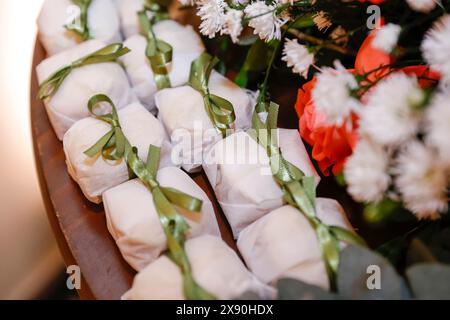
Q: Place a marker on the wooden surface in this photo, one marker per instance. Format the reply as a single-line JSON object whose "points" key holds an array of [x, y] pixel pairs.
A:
{"points": [[79, 225]]}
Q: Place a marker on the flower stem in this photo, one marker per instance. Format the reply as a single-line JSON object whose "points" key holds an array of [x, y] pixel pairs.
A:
{"points": [[319, 42]]}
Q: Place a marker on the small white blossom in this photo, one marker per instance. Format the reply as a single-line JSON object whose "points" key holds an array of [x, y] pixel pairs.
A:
{"points": [[386, 37], [322, 21], [436, 47], [422, 181], [212, 14], [437, 125], [233, 24], [332, 94], [422, 5], [297, 57], [391, 116], [366, 172], [264, 21]]}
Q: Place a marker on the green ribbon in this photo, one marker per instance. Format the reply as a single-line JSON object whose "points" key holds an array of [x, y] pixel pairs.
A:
{"points": [[299, 190], [110, 53], [219, 110], [80, 24], [166, 201], [114, 146], [158, 52]]}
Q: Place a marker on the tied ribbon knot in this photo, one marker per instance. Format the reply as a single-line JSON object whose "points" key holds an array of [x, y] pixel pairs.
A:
{"points": [[158, 52], [110, 53], [220, 111], [299, 190], [80, 24], [113, 145], [168, 201]]}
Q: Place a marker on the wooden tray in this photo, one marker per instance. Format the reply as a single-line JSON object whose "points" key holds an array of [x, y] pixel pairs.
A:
{"points": [[80, 226]]}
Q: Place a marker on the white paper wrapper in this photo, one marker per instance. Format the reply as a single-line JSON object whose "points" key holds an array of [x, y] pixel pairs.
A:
{"points": [[69, 104], [215, 267], [238, 170], [128, 10], [182, 111], [103, 22], [187, 46], [134, 223], [283, 244], [95, 175]]}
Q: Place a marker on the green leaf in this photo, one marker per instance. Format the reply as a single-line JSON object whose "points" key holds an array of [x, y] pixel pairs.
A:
{"points": [[418, 252], [256, 61], [429, 281], [359, 268], [290, 289]]}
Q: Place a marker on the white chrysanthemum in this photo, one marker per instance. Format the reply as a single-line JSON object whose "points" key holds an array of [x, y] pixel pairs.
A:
{"points": [[391, 115], [212, 14], [322, 21], [332, 94], [437, 117], [297, 57], [386, 37], [366, 172], [233, 24], [436, 47], [422, 181], [422, 5], [263, 19]]}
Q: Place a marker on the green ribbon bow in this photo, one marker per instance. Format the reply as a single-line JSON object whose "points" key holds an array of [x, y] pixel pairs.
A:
{"points": [[166, 201], [110, 53], [299, 190], [158, 52], [80, 24], [219, 110], [113, 145]]}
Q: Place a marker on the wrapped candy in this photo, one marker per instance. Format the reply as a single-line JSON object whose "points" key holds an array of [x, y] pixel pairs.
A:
{"points": [[102, 23], [128, 10], [68, 104], [239, 172], [182, 111], [215, 267], [283, 244], [96, 175], [186, 47], [134, 223]]}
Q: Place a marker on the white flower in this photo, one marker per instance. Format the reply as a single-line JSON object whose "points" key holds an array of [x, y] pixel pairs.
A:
{"points": [[366, 172], [298, 57], [422, 5], [422, 181], [332, 94], [212, 14], [322, 21], [264, 21], [437, 125], [386, 38], [436, 47], [391, 116], [233, 24]]}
